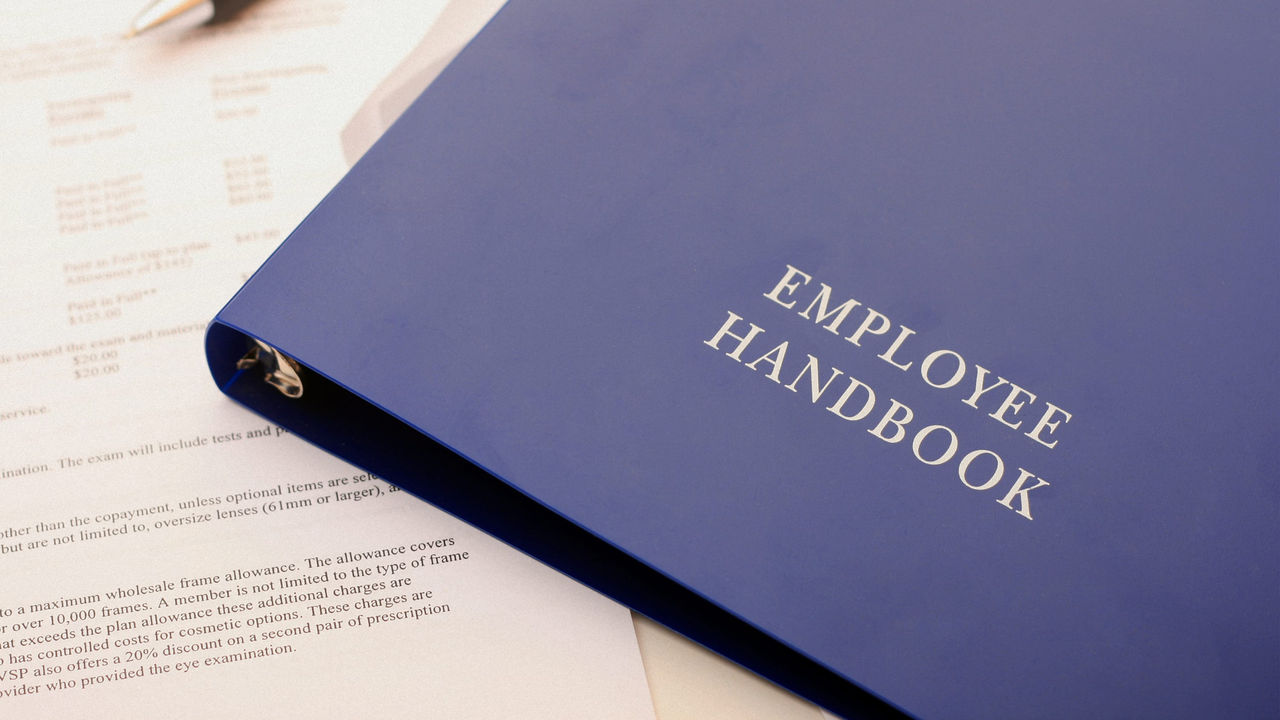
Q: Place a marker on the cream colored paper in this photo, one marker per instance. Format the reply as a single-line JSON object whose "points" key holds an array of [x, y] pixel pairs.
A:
{"points": [[166, 553]]}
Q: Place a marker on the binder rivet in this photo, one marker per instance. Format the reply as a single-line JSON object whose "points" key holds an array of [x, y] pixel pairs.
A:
{"points": [[279, 370]]}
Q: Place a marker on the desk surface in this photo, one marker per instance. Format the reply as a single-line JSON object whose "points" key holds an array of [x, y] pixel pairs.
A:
{"points": [[689, 682]]}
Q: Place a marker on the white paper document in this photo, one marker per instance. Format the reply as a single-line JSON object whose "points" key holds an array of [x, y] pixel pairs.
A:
{"points": [[163, 552]]}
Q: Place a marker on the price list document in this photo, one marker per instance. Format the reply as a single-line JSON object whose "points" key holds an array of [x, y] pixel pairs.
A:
{"points": [[162, 551]]}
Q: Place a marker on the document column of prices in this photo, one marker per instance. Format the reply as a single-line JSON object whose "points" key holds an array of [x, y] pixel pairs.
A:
{"points": [[162, 549]]}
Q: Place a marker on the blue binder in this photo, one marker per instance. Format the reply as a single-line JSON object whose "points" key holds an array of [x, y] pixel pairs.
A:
{"points": [[918, 357]]}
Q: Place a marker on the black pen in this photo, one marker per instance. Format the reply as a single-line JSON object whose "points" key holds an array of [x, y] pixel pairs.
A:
{"points": [[193, 11]]}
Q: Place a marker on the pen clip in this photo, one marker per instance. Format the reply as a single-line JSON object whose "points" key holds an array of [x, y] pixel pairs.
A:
{"points": [[279, 370]]}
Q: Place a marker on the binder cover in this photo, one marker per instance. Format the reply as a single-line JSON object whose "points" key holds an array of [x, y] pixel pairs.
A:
{"points": [[916, 356]]}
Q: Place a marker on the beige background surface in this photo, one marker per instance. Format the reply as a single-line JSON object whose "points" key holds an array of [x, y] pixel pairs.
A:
{"points": [[689, 682]]}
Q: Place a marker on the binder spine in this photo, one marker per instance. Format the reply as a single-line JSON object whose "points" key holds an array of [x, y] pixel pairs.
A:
{"points": [[349, 426]]}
